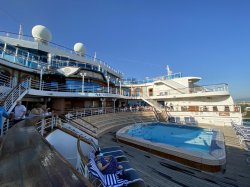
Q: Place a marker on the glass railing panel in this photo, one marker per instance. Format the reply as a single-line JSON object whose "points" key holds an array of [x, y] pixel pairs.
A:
{"points": [[20, 60], [9, 57]]}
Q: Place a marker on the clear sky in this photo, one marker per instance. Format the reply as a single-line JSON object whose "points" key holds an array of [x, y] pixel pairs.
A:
{"points": [[205, 38]]}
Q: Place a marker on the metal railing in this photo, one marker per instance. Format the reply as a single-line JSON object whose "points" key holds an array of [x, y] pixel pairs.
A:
{"points": [[9, 101], [84, 112], [130, 81], [6, 85], [152, 102], [16, 93], [198, 89], [75, 88], [204, 108], [27, 59]]}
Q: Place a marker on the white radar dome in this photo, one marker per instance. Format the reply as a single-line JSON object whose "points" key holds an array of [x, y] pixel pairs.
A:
{"points": [[79, 48], [41, 33]]}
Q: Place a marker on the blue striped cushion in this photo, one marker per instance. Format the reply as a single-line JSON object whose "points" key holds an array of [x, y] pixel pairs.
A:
{"points": [[106, 180]]}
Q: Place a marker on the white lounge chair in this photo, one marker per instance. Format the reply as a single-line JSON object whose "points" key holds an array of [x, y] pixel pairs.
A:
{"points": [[178, 120], [109, 180], [190, 121]]}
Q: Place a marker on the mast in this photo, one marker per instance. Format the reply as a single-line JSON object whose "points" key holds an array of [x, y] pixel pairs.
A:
{"points": [[20, 33]]}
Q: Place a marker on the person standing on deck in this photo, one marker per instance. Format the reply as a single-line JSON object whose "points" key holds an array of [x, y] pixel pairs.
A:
{"points": [[19, 112], [3, 113]]}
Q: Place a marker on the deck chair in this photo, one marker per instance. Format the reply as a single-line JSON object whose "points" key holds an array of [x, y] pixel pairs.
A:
{"points": [[110, 149], [109, 180], [187, 120], [171, 119], [178, 120], [192, 121], [244, 137]]}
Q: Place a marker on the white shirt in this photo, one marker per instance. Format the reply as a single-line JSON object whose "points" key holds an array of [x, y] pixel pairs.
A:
{"points": [[19, 110]]}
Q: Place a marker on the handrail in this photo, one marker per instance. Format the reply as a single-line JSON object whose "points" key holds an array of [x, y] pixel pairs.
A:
{"points": [[16, 94], [79, 127], [196, 89], [152, 102], [9, 101], [149, 80], [70, 51], [204, 108]]}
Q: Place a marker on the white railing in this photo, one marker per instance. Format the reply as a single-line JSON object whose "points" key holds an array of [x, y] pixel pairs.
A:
{"points": [[84, 112], [81, 163], [204, 108], [197, 89], [47, 123], [152, 102], [27, 59], [17, 93], [6, 85], [50, 122], [149, 80]]}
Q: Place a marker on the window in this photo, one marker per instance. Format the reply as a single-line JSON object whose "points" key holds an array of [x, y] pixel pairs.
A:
{"points": [[215, 109], [227, 109]]}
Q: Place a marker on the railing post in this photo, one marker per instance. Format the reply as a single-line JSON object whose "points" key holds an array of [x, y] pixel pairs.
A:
{"points": [[29, 81], [86, 173], [7, 125], [2, 128], [52, 122], [19, 90], [43, 126], [12, 98], [78, 162]]}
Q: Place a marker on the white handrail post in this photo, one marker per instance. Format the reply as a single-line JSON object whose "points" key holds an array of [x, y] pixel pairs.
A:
{"points": [[43, 126], [52, 122], [83, 76], [19, 90], [108, 78], [78, 162], [86, 173], [41, 78]]}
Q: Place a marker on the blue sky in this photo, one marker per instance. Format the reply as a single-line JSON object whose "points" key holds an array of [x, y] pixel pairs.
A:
{"points": [[206, 38]]}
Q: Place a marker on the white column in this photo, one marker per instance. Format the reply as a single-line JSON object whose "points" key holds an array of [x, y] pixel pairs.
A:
{"points": [[120, 87], [108, 77], [114, 99], [83, 76], [41, 78]]}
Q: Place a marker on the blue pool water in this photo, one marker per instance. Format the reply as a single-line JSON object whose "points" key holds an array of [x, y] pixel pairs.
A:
{"points": [[190, 138], [246, 122]]}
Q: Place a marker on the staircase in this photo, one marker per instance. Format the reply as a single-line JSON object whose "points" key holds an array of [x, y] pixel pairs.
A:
{"points": [[175, 85], [152, 103], [16, 93], [6, 85]]}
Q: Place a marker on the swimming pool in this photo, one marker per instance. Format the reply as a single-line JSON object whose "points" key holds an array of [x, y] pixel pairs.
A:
{"points": [[182, 137], [246, 122], [193, 146]]}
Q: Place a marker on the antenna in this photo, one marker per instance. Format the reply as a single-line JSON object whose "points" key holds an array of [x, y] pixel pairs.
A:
{"points": [[20, 33], [169, 72], [95, 56]]}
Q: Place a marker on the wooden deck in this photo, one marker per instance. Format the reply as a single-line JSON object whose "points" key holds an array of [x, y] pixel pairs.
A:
{"points": [[26, 159], [159, 172]]}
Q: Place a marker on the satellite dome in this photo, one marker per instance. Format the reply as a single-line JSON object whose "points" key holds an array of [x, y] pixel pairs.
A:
{"points": [[41, 33], [79, 48]]}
